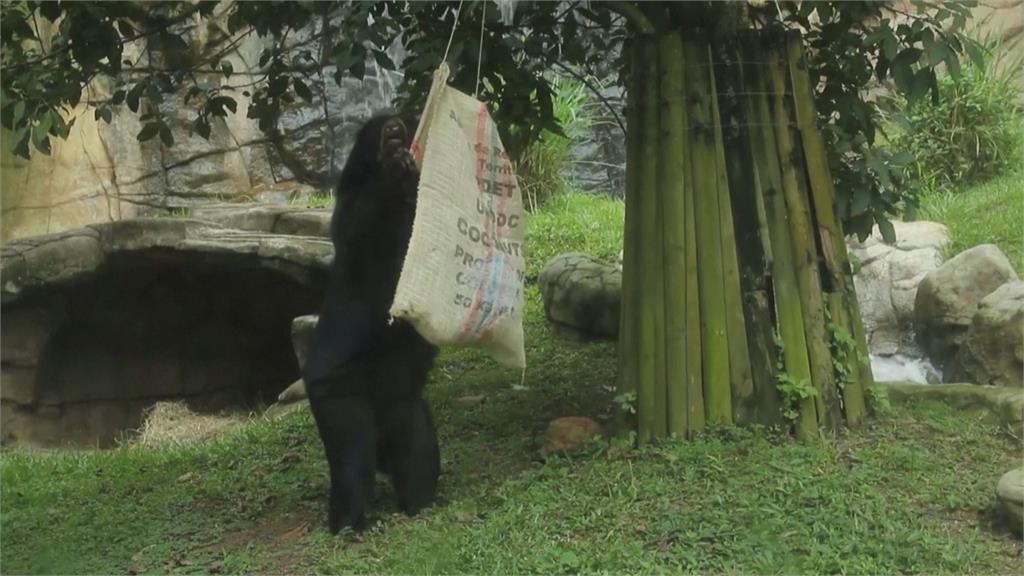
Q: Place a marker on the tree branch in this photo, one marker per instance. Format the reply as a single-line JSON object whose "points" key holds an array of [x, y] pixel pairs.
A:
{"points": [[633, 15], [67, 48]]}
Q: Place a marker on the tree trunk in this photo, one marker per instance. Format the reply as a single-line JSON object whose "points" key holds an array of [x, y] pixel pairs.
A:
{"points": [[738, 303]]}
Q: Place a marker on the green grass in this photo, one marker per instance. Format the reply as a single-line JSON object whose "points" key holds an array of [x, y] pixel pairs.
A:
{"points": [[991, 212], [574, 222], [909, 492]]}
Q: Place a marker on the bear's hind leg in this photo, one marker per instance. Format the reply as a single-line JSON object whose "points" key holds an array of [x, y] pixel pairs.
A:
{"points": [[412, 454], [348, 432]]}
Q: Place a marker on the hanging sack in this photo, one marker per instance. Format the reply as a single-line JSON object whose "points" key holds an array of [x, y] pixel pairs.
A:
{"points": [[462, 280]]}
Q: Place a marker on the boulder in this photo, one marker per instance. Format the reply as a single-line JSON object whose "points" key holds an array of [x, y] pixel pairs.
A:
{"points": [[302, 331], [1010, 499], [948, 298], [887, 282], [581, 295], [993, 348], [101, 322]]}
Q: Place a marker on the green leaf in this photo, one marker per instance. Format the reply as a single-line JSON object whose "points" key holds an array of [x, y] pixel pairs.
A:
{"points": [[202, 127], [936, 50], [345, 59], [192, 92], [902, 69], [166, 136], [132, 99], [19, 112], [172, 43], [861, 200], [920, 85], [976, 52], [104, 113], [886, 228], [890, 47], [302, 90], [358, 69], [45, 121], [118, 97], [148, 131], [227, 68], [953, 66], [383, 60], [21, 139], [41, 140]]}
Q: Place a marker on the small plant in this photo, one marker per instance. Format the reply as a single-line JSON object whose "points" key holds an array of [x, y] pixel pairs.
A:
{"points": [[315, 201], [973, 131], [792, 390], [180, 212], [878, 399], [844, 352], [626, 402]]}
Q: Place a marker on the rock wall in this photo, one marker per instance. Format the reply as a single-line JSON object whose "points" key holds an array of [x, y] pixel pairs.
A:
{"points": [[103, 174]]}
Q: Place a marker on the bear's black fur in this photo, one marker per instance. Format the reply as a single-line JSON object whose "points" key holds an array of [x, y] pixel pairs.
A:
{"points": [[365, 374]]}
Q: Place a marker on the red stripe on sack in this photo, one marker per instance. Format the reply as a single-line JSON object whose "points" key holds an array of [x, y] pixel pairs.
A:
{"points": [[417, 153], [481, 133], [500, 232]]}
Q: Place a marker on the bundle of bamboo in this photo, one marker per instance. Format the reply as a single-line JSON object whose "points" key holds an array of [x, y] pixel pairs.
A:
{"points": [[738, 302]]}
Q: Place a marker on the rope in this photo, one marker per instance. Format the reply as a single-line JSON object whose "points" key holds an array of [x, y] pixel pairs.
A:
{"points": [[458, 14], [480, 54]]}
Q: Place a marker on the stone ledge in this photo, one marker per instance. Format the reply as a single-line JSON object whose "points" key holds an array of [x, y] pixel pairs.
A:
{"points": [[31, 264], [1006, 406]]}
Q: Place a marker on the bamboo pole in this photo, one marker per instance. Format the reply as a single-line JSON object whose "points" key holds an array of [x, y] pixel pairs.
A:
{"points": [[694, 346], [673, 189], [741, 379], [654, 235], [752, 241], [631, 281], [826, 218], [788, 306], [794, 189], [651, 386], [714, 331]]}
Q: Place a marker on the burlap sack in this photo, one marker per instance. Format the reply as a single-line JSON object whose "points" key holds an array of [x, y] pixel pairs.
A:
{"points": [[462, 280]]}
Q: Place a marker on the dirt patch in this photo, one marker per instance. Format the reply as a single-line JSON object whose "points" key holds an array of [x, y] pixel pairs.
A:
{"points": [[275, 536]]}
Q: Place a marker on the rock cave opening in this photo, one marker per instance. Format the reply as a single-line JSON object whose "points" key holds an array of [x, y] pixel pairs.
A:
{"points": [[148, 326]]}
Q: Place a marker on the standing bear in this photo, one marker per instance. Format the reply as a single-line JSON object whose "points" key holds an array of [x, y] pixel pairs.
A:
{"points": [[364, 371]]}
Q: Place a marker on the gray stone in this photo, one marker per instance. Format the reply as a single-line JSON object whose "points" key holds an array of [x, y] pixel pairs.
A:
{"points": [[582, 294], [948, 298], [302, 331], [1010, 497], [293, 393], [993, 348], [888, 279]]}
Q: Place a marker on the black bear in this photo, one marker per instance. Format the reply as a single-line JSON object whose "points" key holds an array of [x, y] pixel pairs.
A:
{"points": [[364, 371]]}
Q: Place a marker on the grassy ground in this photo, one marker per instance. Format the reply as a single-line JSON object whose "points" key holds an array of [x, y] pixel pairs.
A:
{"points": [[988, 213], [909, 492]]}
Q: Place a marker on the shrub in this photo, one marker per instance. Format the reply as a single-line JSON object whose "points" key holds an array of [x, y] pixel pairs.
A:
{"points": [[544, 168], [974, 131]]}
